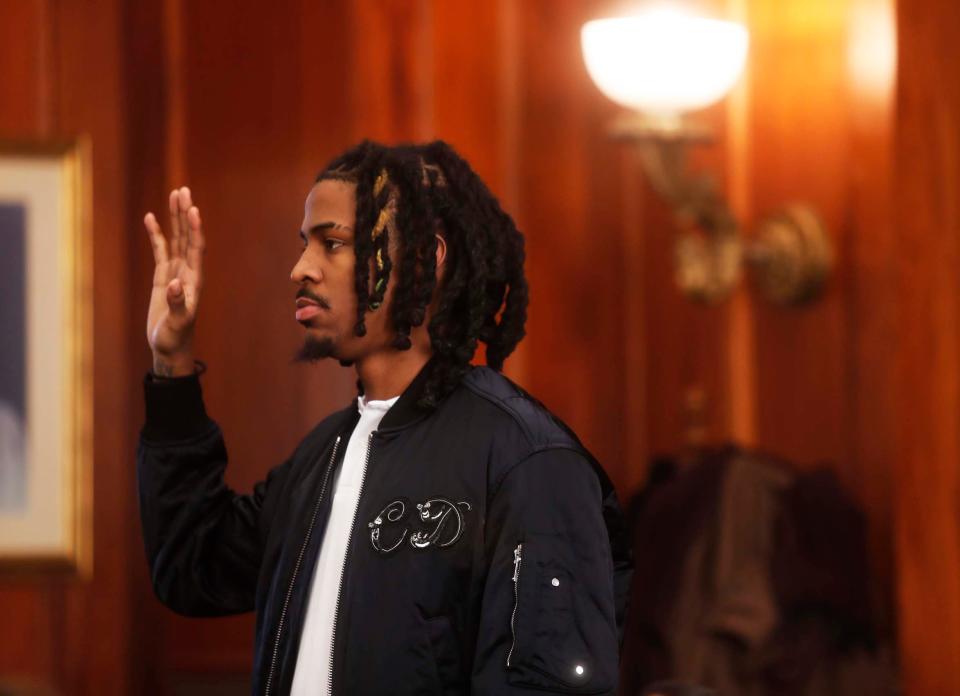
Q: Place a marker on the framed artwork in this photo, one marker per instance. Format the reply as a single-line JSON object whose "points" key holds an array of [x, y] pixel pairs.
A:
{"points": [[46, 396]]}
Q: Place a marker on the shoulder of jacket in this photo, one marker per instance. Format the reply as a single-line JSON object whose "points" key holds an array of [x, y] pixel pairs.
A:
{"points": [[525, 428], [540, 428]]}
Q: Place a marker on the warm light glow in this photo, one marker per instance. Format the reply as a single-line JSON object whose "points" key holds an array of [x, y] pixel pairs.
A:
{"points": [[872, 49], [664, 62]]}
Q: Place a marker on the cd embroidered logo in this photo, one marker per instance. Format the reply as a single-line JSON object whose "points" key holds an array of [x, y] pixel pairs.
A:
{"points": [[438, 522]]}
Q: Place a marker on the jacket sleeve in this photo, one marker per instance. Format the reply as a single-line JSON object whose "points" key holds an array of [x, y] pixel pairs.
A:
{"points": [[549, 617], [203, 541]]}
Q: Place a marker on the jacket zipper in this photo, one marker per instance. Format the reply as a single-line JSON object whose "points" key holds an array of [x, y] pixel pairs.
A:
{"points": [[517, 559], [346, 557], [296, 567]]}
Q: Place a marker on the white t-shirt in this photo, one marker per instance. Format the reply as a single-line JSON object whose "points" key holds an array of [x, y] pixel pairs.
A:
{"points": [[312, 674]]}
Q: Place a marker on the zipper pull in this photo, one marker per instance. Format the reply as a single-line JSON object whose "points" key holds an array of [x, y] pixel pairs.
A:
{"points": [[516, 562]]}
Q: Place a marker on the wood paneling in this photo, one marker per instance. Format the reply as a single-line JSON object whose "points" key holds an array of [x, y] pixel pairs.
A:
{"points": [[927, 473], [471, 101], [872, 301], [799, 132], [89, 99], [25, 56], [568, 193], [391, 90], [824, 374], [246, 111]]}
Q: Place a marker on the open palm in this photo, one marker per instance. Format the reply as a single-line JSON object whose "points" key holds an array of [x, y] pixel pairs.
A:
{"points": [[177, 278]]}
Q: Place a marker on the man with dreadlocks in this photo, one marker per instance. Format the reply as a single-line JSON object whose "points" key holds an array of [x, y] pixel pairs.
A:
{"points": [[444, 534]]}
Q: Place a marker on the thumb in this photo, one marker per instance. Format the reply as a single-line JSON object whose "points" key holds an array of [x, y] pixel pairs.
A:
{"points": [[175, 297]]}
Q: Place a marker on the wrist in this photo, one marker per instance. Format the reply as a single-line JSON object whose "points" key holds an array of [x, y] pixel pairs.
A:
{"points": [[177, 365]]}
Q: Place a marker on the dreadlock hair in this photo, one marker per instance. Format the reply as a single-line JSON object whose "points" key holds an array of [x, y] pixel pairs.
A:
{"points": [[412, 193]]}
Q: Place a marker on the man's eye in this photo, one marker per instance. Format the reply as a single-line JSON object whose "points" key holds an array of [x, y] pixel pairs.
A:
{"points": [[332, 244]]}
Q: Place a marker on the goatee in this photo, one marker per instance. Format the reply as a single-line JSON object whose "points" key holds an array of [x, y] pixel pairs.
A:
{"points": [[314, 349]]}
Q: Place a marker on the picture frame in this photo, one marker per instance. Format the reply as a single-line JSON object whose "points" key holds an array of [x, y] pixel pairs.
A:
{"points": [[46, 344]]}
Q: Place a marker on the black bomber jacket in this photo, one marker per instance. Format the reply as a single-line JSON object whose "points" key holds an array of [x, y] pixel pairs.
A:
{"points": [[488, 552]]}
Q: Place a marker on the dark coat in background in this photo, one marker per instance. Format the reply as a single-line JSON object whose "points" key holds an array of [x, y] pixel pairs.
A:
{"points": [[754, 581]]}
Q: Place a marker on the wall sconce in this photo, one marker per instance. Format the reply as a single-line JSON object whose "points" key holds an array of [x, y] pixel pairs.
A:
{"points": [[661, 64]]}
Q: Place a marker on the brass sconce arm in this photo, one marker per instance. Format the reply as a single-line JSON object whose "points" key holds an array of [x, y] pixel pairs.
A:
{"points": [[789, 255]]}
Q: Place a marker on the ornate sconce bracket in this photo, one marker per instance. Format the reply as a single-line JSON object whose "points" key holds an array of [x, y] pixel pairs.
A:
{"points": [[788, 256]]}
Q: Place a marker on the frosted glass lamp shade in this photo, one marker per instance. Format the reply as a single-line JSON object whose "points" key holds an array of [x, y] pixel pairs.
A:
{"points": [[662, 62]]}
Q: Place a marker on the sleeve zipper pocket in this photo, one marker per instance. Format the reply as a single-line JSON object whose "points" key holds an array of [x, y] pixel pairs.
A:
{"points": [[517, 559]]}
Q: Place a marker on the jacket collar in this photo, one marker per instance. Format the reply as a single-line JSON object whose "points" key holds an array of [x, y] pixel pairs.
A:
{"points": [[406, 411]]}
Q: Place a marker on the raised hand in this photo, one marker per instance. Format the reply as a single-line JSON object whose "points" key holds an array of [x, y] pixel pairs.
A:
{"points": [[177, 280]]}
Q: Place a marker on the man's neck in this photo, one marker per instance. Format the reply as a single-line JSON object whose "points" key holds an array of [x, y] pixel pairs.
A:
{"points": [[387, 374]]}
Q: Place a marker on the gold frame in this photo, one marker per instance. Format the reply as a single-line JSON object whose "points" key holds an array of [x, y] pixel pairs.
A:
{"points": [[75, 262]]}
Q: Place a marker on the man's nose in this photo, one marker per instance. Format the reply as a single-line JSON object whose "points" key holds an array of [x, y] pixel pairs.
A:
{"points": [[303, 271]]}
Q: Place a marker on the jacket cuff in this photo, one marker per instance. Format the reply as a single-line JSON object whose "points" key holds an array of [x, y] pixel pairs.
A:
{"points": [[175, 409]]}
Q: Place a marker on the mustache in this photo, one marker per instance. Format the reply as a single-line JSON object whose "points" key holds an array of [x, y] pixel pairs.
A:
{"points": [[322, 301]]}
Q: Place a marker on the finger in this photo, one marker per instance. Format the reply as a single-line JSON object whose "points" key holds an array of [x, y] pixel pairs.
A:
{"points": [[176, 300], [197, 243], [157, 240], [174, 247], [185, 203]]}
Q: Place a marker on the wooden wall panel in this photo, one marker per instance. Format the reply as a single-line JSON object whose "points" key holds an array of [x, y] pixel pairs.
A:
{"points": [[25, 57], [820, 132], [89, 99], [391, 90], [686, 342], [567, 192], [799, 131], [927, 473], [872, 301], [471, 102]]}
